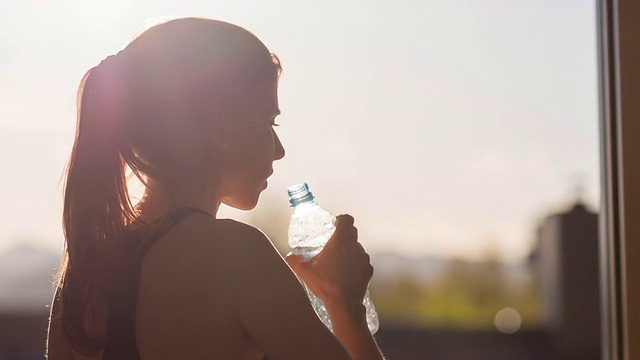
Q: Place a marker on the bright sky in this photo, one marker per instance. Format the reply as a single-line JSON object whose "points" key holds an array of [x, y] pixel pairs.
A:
{"points": [[445, 127]]}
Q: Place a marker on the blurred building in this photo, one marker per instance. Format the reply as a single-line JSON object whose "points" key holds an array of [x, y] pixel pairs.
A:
{"points": [[567, 263], [26, 289]]}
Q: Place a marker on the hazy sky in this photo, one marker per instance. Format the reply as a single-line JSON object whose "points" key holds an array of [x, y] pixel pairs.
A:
{"points": [[445, 127]]}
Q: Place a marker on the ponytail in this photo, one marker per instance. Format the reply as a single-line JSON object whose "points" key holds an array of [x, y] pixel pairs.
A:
{"points": [[97, 206]]}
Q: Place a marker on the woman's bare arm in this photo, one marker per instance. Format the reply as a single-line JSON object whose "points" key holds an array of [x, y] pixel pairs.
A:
{"points": [[350, 326], [269, 302]]}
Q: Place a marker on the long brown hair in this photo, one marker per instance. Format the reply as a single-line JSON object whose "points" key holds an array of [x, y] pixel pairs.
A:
{"points": [[135, 110]]}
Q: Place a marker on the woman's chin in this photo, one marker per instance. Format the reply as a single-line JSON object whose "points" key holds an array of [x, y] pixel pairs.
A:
{"points": [[245, 204]]}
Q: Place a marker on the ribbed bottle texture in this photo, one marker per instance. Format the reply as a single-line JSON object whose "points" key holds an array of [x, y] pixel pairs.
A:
{"points": [[310, 228]]}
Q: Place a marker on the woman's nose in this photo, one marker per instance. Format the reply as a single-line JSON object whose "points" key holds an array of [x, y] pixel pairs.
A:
{"points": [[279, 149]]}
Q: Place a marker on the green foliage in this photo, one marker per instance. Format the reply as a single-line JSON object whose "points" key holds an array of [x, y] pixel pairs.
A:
{"points": [[467, 296]]}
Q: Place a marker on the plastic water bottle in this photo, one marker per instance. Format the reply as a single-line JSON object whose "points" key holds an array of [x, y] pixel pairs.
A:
{"points": [[309, 230]]}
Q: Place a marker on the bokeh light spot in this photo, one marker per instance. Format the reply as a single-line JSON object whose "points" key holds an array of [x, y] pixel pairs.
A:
{"points": [[508, 320]]}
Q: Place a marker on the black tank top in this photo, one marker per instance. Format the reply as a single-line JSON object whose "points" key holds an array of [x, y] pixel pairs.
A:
{"points": [[121, 329]]}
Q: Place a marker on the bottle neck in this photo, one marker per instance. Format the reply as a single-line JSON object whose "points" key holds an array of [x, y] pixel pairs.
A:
{"points": [[303, 205], [299, 194]]}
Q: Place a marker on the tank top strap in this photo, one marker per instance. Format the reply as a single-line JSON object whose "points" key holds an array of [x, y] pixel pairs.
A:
{"points": [[185, 211], [143, 242], [176, 216], [121, 339]]}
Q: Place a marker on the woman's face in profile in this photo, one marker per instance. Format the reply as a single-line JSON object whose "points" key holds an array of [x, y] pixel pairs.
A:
{"points": [[252, 147]]}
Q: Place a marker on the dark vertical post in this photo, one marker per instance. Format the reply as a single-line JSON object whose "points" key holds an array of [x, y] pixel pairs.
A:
{"points": [[619, 40]]}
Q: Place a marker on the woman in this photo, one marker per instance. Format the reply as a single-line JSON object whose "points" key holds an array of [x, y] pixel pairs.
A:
{"points": [[189, 108]]}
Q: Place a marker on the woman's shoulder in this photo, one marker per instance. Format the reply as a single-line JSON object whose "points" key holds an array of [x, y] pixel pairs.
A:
{"points": [[239, 228], [225, 240], [224, 253], [214, 230]]}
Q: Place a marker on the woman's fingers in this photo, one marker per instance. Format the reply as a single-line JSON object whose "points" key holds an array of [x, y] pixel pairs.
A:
{"points": [[344, 225], [345, 231], [344, 220], [369, 271], [342, 269], [354, 233]]}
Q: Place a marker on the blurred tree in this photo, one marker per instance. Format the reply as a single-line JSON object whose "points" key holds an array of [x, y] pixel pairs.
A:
{"points": [[467, 296], [401, 301]]}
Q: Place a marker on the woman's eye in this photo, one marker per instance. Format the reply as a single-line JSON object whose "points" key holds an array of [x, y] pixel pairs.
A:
{"points": [[273, 123]]}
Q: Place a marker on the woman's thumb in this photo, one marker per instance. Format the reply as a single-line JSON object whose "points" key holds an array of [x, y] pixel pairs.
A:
{"points": [[296, 262]]}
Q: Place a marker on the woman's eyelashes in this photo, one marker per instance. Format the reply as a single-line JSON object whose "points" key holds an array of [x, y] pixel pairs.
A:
{"points": [[273, 122]]}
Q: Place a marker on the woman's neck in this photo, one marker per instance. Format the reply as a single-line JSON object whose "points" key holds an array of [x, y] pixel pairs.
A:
{"points": [[156, 201]]}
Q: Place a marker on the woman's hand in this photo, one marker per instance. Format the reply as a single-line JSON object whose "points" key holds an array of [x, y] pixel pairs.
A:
{"points": [[340, 273], [339, 276]]}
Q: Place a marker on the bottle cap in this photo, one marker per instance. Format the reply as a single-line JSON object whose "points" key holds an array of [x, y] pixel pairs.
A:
{"points": [[299, 193]]}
